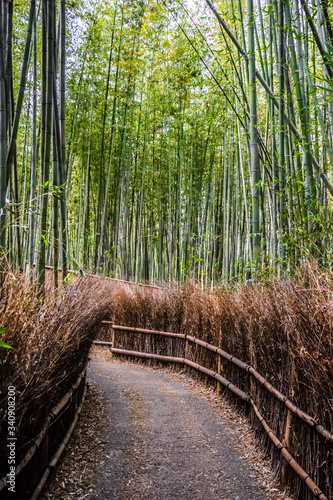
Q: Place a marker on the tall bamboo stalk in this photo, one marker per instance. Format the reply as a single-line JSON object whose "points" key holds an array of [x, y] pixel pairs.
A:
{"points": [[48, 14], [255, 174], [3, 136]]}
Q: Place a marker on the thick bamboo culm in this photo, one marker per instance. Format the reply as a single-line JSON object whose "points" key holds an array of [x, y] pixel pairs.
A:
{"points": [[245, 397], [50, 418], [244, 366]]}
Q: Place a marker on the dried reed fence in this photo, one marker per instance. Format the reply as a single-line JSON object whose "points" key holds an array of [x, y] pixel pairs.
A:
{"points": [[52, 340], [43, 454], [233, 388], [283, 329]]}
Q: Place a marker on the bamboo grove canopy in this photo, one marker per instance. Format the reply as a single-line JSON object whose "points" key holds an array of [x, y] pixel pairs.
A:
{"points": [[166, 140]]}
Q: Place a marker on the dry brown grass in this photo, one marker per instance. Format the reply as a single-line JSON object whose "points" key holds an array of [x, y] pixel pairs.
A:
{"points": [[51, 340], [283, 328]]}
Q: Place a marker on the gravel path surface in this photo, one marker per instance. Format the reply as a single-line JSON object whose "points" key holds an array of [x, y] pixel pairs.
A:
{"points": [[165, 442]]}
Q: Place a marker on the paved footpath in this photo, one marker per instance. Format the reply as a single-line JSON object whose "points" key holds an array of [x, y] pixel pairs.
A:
{"points": [[165, 442]]}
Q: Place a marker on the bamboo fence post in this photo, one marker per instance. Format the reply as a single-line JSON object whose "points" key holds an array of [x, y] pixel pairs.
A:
{"points": [[286, 442], [252, 383], [113, 339], [219, 385], [186, 348], [287, 431]]}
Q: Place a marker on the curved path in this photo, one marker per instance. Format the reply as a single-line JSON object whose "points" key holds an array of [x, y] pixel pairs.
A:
{"points": [[165, 442]]}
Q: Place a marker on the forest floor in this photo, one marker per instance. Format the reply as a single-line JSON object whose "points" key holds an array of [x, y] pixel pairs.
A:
{"points": [[156, 434]]}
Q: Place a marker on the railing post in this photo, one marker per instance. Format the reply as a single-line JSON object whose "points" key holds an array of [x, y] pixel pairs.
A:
{"points": [[286, 443], [219, 385], [113, 339], [286, 439], [186, 348], [252, 383]]}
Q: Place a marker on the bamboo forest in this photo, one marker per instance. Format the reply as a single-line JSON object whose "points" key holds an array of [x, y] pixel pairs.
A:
{"points": [[166, 141], [166, 249]]}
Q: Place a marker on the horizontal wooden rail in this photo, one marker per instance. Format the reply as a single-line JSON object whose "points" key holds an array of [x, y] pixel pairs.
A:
{"points": [[281, 397], [245, 397], [147, 355], [312, 422], [60, 449], [101, 342], [143, 330], [291, 461], [127, 282], [218, 377], [39, 438], [81, 272]]}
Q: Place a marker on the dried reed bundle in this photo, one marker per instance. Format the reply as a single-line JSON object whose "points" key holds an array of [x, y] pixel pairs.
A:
{"points": [[281, 327], [51, 340]]}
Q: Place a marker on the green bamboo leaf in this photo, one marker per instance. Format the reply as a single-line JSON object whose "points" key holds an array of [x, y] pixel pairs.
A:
{"points": [[2, 344], [329, 48]]}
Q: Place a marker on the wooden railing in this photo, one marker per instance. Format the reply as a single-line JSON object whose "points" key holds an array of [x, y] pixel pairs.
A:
{"points": [[247, 398], [42, 456]]}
